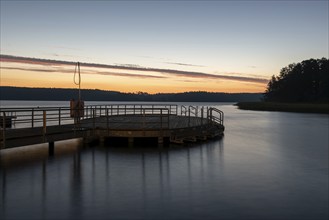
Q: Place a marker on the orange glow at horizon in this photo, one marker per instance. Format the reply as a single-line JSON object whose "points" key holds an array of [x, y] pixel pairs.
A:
{"points": [[124, 82]]}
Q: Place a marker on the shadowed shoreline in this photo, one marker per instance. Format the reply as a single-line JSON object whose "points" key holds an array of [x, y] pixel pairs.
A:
{"points": [[321, 108]]}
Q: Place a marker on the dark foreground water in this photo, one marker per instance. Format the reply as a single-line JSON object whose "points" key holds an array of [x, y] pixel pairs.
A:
{"points": [[269, 165]]}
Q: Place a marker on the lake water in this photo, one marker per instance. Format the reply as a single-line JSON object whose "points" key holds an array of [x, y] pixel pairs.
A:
{"points": [[269, 165]]}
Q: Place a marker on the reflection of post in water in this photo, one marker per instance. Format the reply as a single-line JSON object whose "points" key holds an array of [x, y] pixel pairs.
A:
{"points": [[201, 163], [168, 173], [165, 174], [189, 165], [143, 172], [221, 151], [3, 192], [144, 182], [161, 176], [76, 191], [107, 167], [107, 175], [44, 189]]}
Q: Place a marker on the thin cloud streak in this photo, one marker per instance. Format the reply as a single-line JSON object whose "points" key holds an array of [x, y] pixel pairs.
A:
{"points": [[179, 73], [107, 73], [184, 64]]}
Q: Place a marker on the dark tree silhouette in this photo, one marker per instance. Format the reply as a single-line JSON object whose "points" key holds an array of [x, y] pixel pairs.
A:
{"points": [[19, 93], [307, 81]]}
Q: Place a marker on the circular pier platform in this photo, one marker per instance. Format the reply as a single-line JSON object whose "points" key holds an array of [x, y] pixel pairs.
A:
{"points": [[178, 124], [177, 129]]}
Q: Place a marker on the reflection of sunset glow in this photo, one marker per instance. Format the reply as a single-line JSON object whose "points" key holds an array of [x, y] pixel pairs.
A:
{"points": [[55, 75]]}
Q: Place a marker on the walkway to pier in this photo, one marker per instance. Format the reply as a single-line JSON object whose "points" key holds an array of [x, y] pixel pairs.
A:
{"points": [[26, 126]]}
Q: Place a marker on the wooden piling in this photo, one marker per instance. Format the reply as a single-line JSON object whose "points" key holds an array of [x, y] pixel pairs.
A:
{"points": [[130, 141], [51, 148]]}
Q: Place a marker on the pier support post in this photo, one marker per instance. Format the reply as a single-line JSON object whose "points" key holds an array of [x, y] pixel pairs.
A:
{"points": [[130, 142], [160, 141], [51, 149], [101, 141]]}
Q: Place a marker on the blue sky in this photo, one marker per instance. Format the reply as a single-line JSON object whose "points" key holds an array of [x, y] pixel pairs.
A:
{"points": [[240, 38]]}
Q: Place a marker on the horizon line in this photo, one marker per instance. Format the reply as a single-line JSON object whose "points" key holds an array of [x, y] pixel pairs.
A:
{"points": [[141, 92]]}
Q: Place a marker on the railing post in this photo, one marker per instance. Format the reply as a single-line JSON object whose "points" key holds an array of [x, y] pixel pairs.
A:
{"points": [[3, 130], [168, 116], [44, 129], [161, 119], [59, 116], [32, 118], [211, 119], [143, 119], [222, 118], [94, 122], [107, 120], [202, 115], [189, 115]]}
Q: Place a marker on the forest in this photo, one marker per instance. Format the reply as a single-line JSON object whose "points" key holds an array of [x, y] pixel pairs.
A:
{"points": [[304, 82], [56, 94]]}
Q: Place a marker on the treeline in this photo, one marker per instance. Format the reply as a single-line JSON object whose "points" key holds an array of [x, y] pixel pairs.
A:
{"points": [[307, 81], [55, 94]]}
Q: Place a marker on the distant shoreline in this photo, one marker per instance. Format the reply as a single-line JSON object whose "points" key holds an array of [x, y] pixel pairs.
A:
{"points": [[57, 94], [320, 108]]}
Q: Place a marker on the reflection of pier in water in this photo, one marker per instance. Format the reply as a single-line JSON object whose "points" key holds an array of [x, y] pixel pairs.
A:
{"points": [[26, 126], [70, 185]]}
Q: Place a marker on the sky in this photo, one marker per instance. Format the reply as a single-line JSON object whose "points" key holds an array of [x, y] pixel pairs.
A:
{"points": [[158, 46]]}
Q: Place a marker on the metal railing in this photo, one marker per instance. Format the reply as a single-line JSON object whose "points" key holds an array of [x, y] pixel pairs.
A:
{"points": [[110, 110], [141, 118], [215, 116], [16, 118], [37, 117]]}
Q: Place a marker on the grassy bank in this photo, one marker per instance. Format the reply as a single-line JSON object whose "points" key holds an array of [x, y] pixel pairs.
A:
{"points": [[322, 108]]}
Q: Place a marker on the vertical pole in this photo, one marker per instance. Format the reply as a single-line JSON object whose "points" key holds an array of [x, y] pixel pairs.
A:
{"points": [[143, 119], [94, 123], [130, 141], [101, 141], [107, 120], [32, 118], [202, 115], [189, 114], [79, 83], [160, 141], [168, 118], [3, 130], [44, 130], [208, 114], [51, 148], [59, 116], [222, 118], [161, 119]]}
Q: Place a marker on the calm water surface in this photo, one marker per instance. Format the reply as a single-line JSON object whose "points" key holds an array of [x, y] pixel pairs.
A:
{"points": [[269, 165]]}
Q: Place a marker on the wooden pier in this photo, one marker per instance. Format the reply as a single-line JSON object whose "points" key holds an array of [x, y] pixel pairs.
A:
{"points": [[178, 124]]}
